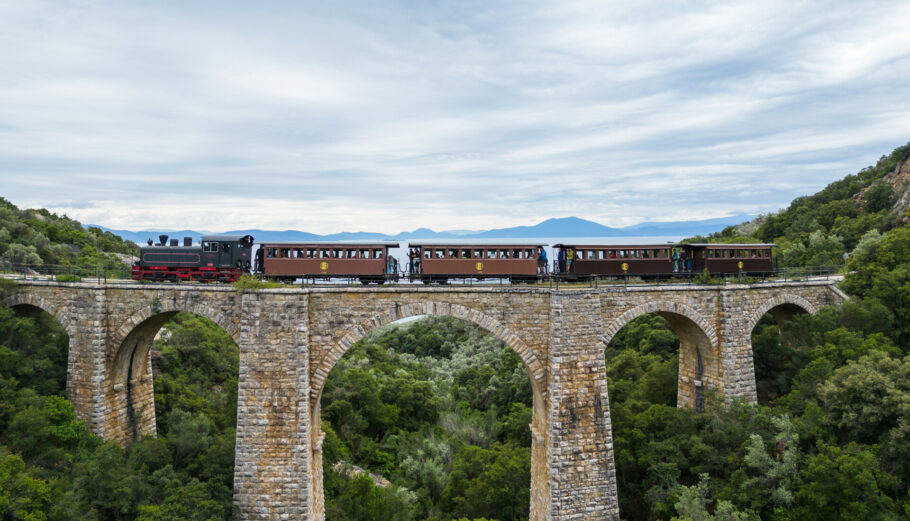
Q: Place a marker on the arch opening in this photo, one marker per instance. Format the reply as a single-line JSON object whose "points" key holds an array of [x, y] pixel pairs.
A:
{"points": [[662, 371], [36, 349], [699, 360], [467, 407], [173, 393], [776, 354]]}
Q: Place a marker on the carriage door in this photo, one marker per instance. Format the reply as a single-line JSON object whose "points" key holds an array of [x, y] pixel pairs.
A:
{"points": [[226, 258]]}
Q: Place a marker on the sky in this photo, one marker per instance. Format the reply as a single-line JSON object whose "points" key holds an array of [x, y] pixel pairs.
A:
{"points": [[389, 116]]}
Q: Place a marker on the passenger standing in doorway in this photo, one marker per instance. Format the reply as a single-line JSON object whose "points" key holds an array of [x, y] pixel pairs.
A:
{"points": [[541, 261], [675, 261], [561, 260]]}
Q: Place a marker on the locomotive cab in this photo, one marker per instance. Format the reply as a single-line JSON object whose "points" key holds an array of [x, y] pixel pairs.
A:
{"points": [[227, 251]]}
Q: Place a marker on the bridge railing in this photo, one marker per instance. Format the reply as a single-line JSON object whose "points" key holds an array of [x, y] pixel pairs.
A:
{"points": [[104, 274], [64, 273], [698, 279]]}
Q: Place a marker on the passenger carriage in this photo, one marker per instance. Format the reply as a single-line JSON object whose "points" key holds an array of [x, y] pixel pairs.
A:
{"points": [[366, 261], [731, 258], [440, 262], [615, 260]]}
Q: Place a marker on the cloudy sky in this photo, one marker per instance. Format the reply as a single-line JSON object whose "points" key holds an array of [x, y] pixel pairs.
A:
{"points": [[385, 116]]}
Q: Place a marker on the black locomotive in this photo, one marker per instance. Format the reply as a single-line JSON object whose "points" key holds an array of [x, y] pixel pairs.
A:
{"points": [[221, 258]]}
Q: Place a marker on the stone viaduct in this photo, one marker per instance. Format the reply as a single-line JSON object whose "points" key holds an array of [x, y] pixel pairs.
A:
{"points": [[289, 340]]}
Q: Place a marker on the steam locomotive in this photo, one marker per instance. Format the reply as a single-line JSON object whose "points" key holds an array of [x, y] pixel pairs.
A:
{"points": [[224, 258]]}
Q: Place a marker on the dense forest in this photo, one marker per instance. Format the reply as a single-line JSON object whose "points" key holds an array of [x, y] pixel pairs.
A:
{"points": [[40, 238], [428, 419]]}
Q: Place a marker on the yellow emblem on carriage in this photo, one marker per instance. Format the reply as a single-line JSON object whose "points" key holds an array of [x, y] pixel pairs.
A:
{"points": [[323, 265], [625, 266], [740, 264], [479, 266]]}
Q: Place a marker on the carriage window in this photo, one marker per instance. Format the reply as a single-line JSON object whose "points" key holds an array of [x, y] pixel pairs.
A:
{"points": [[210, 246], [766, 253], [427, 253], [478, 254], [350, 254], [377, 254], [452, 253], [645, 254], [284, 253], [310, 253], [440, 254], [491, 254], [298, 253], [364, 254], [465, 254], [336, 254], [504, 254], [270, 252]]}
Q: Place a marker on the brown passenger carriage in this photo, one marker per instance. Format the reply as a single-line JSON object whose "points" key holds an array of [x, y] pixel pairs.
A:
{"points": [[366, 261], [730, 258], [616, 259], [440, 262]]}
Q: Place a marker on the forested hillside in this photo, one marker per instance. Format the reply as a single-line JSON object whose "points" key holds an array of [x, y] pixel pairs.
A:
{"points": [[429, 419], [816, 230], [40, 238]]}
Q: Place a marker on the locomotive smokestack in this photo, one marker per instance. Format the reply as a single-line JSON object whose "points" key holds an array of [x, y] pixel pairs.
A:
{"points": [[163, 239]]}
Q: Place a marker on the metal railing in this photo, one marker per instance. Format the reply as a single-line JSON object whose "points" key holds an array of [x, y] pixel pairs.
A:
{"points": [[62, 273], [105, 274]]}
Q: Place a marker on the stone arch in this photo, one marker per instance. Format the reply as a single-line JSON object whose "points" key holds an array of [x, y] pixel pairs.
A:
{"points": [[700, 357], [540, 472], [128, 383], [29, 299], [782, 307], [659, 306], [535, 369]]}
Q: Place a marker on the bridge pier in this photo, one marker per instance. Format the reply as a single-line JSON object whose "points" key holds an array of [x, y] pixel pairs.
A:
{"points": [[271, 467], [581, 465]]}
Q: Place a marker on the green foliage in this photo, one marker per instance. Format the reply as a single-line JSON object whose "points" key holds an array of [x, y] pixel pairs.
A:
{"points": [[38, 237], [844, 484], [441, 408], [491, 482], [247, 283], [58, 470], [692, 505]]}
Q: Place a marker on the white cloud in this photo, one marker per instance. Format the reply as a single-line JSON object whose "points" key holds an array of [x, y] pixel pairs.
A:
{"points": [[462, 115]]}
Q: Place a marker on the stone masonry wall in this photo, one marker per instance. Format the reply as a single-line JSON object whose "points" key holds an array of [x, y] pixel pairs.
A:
{"points": [[582, 473], [273, 447]]}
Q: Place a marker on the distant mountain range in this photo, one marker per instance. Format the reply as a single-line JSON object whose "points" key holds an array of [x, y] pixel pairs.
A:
{"points": [[563, 227]]}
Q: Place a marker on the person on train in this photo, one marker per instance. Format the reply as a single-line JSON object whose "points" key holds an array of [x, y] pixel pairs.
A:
{"points": [[541, 261]]}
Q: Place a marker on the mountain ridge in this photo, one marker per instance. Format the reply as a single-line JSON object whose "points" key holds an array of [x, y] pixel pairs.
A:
{"points": [[554, 227]]}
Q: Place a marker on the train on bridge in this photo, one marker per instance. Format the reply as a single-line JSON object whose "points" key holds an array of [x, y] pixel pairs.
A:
{"points": [[224, 258]]}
